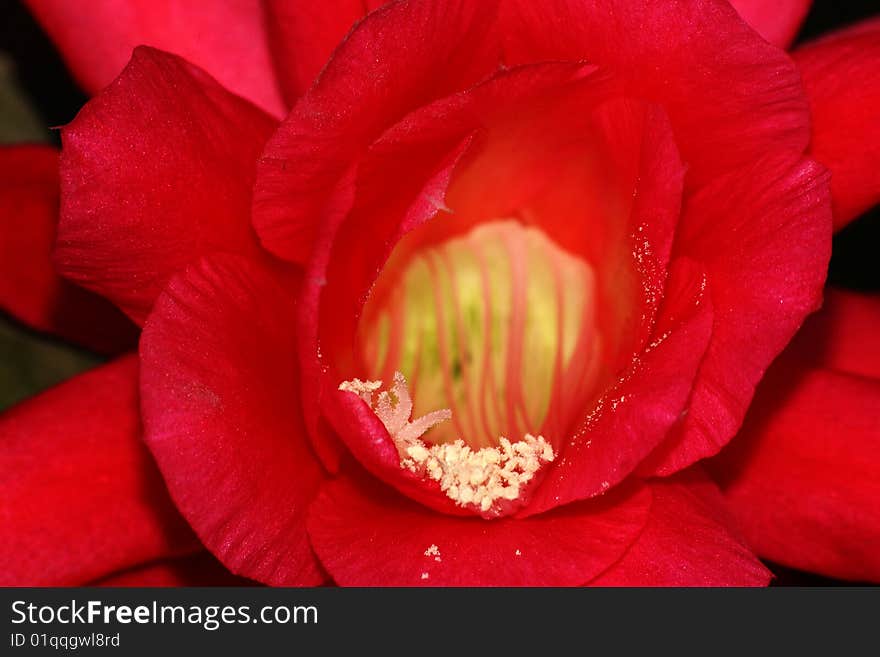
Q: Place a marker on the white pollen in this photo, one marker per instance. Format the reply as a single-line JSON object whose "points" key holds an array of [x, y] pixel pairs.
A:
{"points": [[518, 553], [425, 575], [473, 478], [363, 389], [432, 551]]}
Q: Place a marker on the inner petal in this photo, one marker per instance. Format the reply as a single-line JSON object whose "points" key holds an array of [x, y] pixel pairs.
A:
{"points": [[497, 326]]}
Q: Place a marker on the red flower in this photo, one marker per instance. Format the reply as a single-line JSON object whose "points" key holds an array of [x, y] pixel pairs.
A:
{"points": [[587, 228]]}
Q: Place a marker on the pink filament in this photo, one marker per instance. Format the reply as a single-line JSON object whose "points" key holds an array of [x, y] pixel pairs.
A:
{"points": [[485, 406]]}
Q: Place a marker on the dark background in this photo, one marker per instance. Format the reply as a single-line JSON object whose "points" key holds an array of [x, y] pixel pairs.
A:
{"points": [[32, 67]]}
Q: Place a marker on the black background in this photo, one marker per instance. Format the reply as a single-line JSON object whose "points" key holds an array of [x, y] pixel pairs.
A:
{"points": [[56, 97]]}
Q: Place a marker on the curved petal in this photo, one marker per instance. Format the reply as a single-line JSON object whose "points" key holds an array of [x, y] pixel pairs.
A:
{"points": [[30, 290], [428, 50], [776, 20], [200, 569], [633, 416], [367, 535], [730, 95], [302, 36], [221, 409], [156, 171], [686, 542], [842, 76], [79, 494], [764, 235], [227, 38], [803, 476]]}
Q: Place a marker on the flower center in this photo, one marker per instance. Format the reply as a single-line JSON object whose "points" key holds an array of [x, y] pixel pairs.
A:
{"points": [[493, 331]]}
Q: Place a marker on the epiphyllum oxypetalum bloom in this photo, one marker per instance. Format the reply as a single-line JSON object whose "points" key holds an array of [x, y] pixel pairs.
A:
{"points": [[418, 197]]}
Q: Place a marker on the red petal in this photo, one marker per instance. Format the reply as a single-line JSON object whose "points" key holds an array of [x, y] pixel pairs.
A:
{"points": [[842, 336], [302, 36], [633, 416], [79, 495], [155, 172], [764, 234], [29, 288], [222, 416], [686, 542], [367, 535], [842, 75], [730, 95], [778, 21], [803, 476], [227, 39], [428, 49], [200, 569]]}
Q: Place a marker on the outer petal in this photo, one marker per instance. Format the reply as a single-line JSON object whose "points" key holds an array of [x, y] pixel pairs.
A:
{"points": [[686, 542], [79, 495], [764, 235], [155, 172], [842, 336], [222, 416], [302, 35], [367, 535], [226, 38], [29, 287], [842, 76], [731, 96], [803, 476], [200, 569], [776, 20]]}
